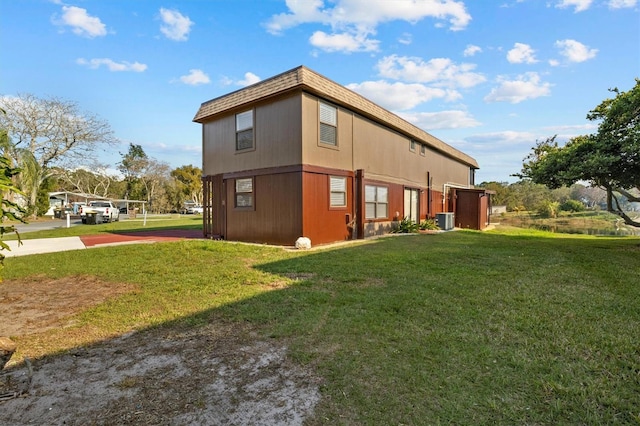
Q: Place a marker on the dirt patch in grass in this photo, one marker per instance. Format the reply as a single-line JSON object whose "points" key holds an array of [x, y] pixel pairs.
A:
{"points": [[40, 303], [220, 373]]}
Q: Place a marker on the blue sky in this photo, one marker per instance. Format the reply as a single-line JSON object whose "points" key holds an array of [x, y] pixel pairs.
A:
{"points": [[487, 77]]}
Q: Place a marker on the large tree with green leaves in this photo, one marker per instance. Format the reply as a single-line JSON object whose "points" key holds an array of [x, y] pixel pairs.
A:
{"points": [[609, 159], [9, 209], [144, 176], [49, 132], [190, 182], [133, 165]]}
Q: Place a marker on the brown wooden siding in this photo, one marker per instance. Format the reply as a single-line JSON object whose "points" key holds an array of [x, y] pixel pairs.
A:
{"points": [[320, 222], [430, 203], [471, 208], [207, 206], [302, 78], [213, 212], [291, 171], [319, 154], [380, 152], [436, 206], [277, 214], [277, 138], [395, 199], [466, 210]]}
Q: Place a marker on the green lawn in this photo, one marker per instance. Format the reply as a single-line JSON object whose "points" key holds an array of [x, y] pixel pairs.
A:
{"points": [[125, 225], [500, 327]]}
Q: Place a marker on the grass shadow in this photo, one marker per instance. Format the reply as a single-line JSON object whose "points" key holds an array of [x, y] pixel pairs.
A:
{"points": [[458, 327]]}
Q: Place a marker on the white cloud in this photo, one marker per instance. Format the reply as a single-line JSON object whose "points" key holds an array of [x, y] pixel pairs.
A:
{"points": [[578, 5], [453, 119], [175, 25], [112, 65], [526, 86], [499, 154], [249, 79], [622, 4], [571, 130], [438, 71], [406, 39], [507, 137], [301, 12], [368, 13], [507, 5], [574, 51], [358, 18], [226, 81], [554, 62], [471, 50], [81, 22], [195, 78], [521, 53], [344, 42], [400, 96]]}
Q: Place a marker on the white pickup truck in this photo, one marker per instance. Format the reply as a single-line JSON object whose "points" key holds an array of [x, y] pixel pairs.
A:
{"points": [[107, 210]]}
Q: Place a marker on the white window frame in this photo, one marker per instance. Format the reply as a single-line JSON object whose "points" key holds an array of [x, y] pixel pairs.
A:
{"points": [[376, 196], [337, 185], [243, 126], [328, 118]]}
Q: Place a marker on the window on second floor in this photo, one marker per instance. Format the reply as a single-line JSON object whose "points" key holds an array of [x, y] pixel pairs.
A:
{"points": [[244, 131], [328, 124], [423, 149]]}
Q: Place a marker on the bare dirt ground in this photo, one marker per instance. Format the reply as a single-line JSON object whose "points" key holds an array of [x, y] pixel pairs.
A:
{"points": [[213, 375]]}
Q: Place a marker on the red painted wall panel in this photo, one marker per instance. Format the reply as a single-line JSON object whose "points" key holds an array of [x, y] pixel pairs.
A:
{"points": [[320, 222]]}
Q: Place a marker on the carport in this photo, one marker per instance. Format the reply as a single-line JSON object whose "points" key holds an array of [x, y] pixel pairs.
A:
{"points": [[133, 206], [63, 199]]}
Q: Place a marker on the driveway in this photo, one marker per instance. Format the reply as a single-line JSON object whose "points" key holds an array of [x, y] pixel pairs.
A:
{"points": [[49, 245], [141, 237]]}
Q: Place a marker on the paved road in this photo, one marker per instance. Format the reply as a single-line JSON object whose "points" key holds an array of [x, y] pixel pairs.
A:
{"points": [[41, 225]]}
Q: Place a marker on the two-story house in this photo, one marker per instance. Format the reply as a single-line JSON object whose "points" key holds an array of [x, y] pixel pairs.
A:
{"points": [[300, 155]]}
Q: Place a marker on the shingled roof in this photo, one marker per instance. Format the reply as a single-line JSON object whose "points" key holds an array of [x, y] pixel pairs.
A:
{"points": [[302, 78]]}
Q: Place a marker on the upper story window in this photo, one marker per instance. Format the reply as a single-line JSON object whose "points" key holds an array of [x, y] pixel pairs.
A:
{"points": [[328, 124], [423, 149], [412, 145], [244, 131], [338, 191]]}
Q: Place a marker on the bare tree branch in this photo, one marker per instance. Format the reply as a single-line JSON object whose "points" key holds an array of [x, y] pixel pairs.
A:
{"points": [[52, 130], [618, 210]]}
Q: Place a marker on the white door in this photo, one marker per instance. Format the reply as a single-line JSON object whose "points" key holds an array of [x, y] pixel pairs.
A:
{"points": [[411, 204]]}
